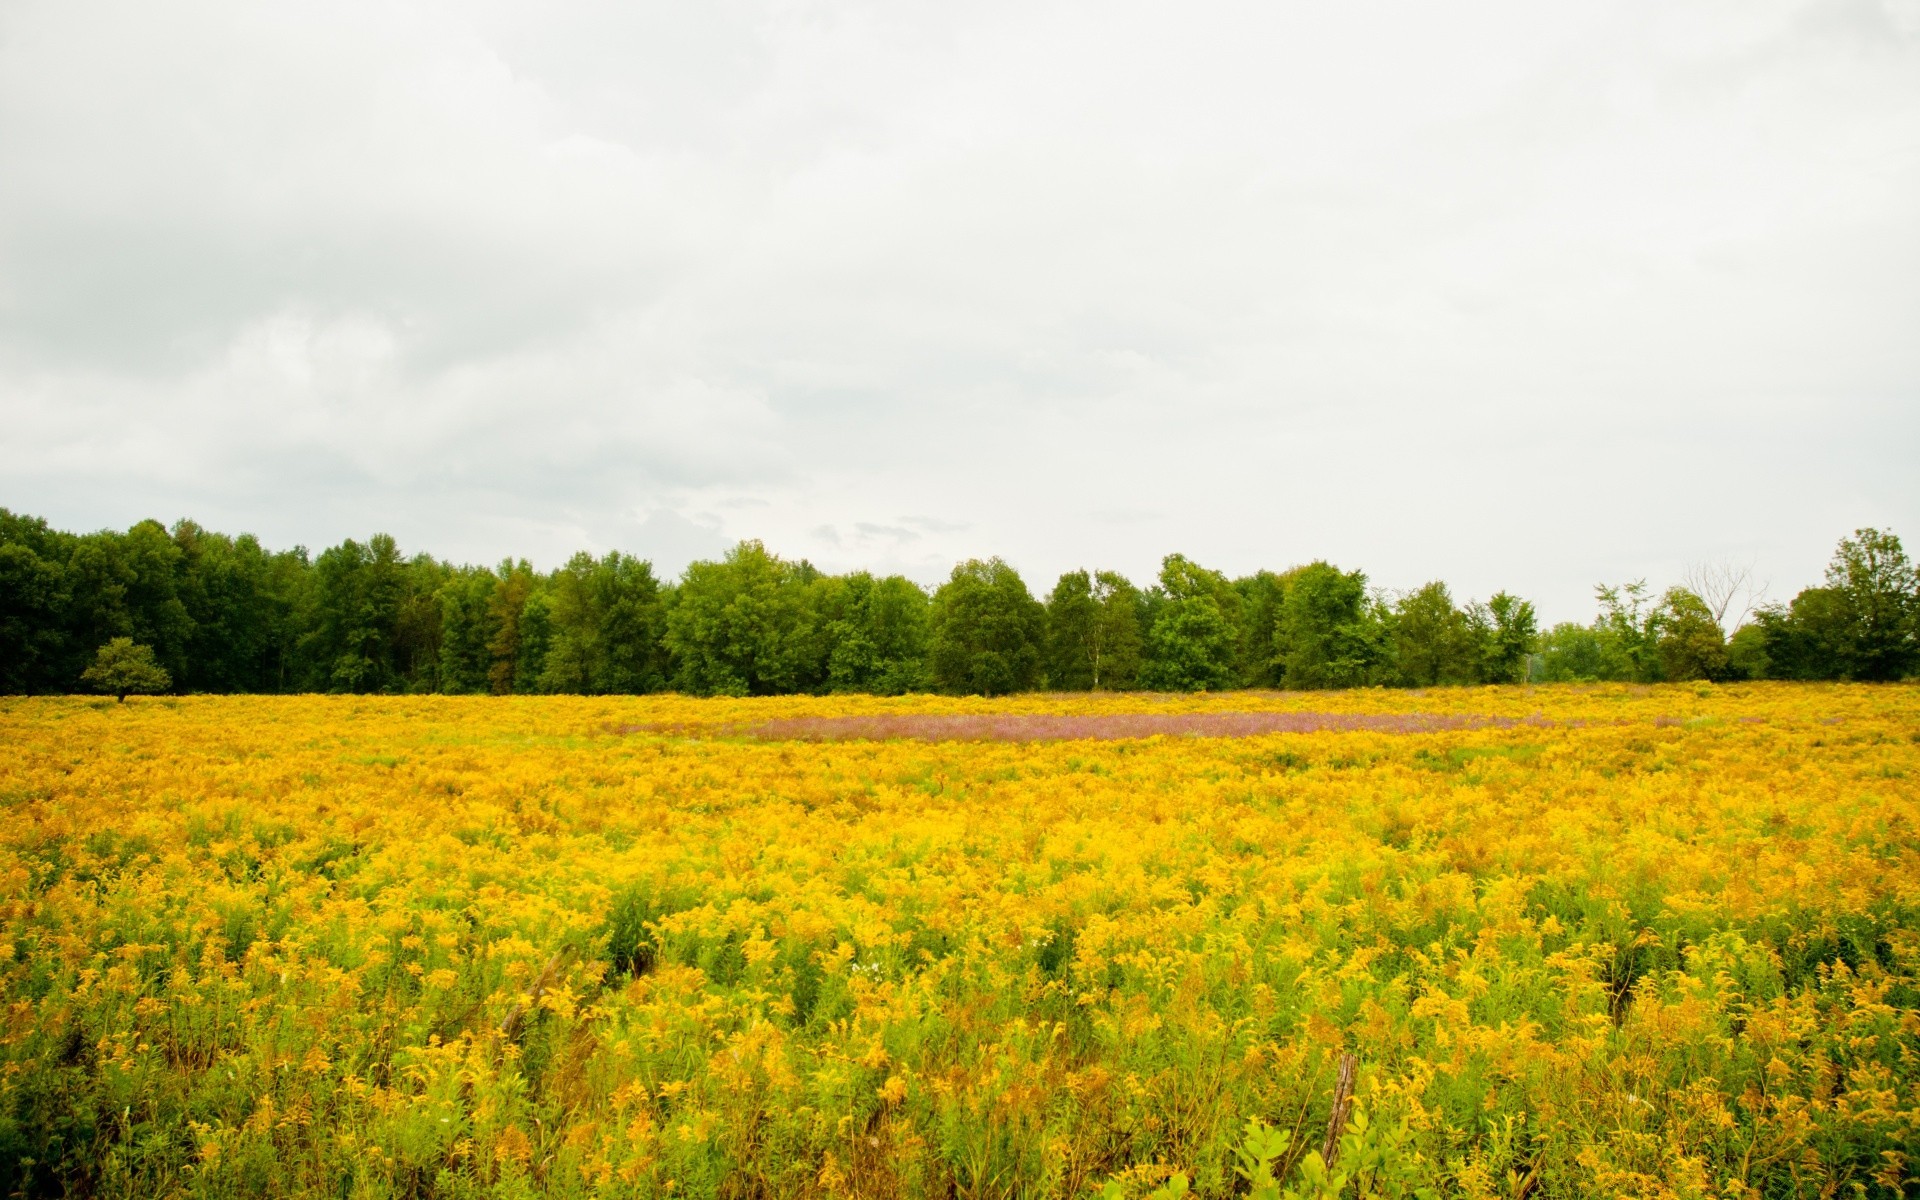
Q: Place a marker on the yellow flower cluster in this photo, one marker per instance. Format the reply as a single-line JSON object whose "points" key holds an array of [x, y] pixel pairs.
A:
{"points": [[1603, 941]]}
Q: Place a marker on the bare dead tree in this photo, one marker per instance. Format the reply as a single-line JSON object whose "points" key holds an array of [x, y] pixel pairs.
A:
{"points": [[1724, 585]]}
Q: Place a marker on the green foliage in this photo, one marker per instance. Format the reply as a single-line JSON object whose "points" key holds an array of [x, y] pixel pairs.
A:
{"points": [[1572, 653], [506, 613], [1262, 595], [34, 600], [1629, 633], [123, 667], [1747, 656], [1689, 643], [1093, 633], [465, 630], [1329, 634], [607, 619], [1879, 595], [1194, 643], [356, 643], [988, 632], [1433, 641], [1371, 1161], [734, 627], [1509, 631], [223, 614], [868, 635], [1636, 639]]}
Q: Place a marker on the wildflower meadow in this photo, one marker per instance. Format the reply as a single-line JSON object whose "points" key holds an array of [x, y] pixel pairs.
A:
{"points": [[1509, 942]]}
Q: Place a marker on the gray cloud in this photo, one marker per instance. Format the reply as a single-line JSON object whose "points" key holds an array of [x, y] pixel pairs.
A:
{"points": [[1522, 295]]}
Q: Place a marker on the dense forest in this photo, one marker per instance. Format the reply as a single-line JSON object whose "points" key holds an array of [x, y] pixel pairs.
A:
{"points": [[206, 612]]}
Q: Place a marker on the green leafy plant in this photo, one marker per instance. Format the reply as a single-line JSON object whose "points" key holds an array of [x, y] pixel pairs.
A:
{"points": [[124, 667]]}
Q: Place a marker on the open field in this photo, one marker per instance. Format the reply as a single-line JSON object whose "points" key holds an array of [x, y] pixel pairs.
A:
{"points": [[1581, 942]]}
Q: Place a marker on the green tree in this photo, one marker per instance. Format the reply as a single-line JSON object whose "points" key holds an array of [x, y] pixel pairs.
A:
{"points": [[514, 611], [866, 635], [127, 585], [353, 638], [1628, 628], [463, 599], [737, 627], [608, 620], [1575, 653], [240, 604], [1194, 642], [1093, 632], [1508, 631], [1688, 640], [1262, 597], [125, 667], [1433, 641], [1747, 656], [34, 603], [1329, 635], [987, 631], [1880, 600]]}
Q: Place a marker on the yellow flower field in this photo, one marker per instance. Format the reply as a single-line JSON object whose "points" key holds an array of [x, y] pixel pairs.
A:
{"points": [[1581, 942]]}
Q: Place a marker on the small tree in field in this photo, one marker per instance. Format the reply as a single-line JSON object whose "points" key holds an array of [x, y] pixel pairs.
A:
{"points": [[124, 667]]}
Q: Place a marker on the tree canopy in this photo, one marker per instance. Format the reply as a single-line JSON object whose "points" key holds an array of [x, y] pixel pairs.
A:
{"points": [[124, 667], [219, 613]]}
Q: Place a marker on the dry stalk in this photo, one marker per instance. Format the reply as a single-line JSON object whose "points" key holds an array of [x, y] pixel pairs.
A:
{"points": [[510, 1024], [1342, 1105]]}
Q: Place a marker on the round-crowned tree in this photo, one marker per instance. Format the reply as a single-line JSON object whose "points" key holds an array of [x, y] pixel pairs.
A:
{"points": [[987, 631], [125, 667]]}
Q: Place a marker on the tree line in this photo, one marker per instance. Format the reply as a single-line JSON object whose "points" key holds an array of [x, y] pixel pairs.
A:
{"points": [[209, 612]]}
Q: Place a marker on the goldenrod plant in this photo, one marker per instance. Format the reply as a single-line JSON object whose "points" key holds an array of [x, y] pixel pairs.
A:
{"points": [[1575, 942]]}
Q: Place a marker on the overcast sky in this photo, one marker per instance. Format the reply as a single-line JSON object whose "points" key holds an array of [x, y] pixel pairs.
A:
{"points": [[1524, 295]]}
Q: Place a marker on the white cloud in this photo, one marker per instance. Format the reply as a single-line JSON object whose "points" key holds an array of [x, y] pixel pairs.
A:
{"points": [[1521, 295]]}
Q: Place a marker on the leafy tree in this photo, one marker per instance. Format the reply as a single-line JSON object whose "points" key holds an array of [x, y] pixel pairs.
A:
{"points": [[508, 653], [1688, 638], [1575, 653], [239, 603], [736, 627], [607, 619], [1747, 656], [1508, 631], [464, 660], [221, 613], [1194, 642], [1262, 596], [1629, 631], [1093, 632], [124, 667], [127, 585], [358, 595], [1328, 634], [1071, 616], [1861, 625], [34, 601], [1880, 600], [987, 631], [1434, 642], [867, 634]]}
